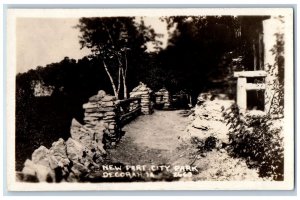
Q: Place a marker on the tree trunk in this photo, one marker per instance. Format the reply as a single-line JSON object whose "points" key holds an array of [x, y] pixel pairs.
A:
{"points": [[124, 77], [119, 81], [124, 84], [111, 80]]}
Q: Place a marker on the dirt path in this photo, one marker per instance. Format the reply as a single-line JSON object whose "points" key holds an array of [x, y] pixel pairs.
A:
{"points": [[151, 139], [156, 140]]}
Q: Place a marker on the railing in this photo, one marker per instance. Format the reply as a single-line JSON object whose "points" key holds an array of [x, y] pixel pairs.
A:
{"points": [[243, 86], [128, 109]]}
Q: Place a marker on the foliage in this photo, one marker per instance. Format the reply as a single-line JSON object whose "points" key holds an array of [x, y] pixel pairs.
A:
{"points": [[115, 41], [195, 49], [277, 71], [256, 139], [208, 144], [42, 120]]}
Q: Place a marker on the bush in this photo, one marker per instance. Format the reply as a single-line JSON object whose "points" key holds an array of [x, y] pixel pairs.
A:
{"points": [[255, 139], [205, 145]]}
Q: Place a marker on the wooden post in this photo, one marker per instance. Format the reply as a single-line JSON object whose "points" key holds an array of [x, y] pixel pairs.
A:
{"points": [[243, 86], [242, 94]]}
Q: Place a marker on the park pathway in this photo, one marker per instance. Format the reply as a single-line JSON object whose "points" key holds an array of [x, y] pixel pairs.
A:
{"points": [[164, 139], [151, 139]]}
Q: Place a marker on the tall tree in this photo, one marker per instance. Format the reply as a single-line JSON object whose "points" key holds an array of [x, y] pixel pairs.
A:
{"points": [[193, 57], [110, 40]]}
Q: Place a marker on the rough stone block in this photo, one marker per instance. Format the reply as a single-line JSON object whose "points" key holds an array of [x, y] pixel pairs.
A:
{"points": [[40, 156], [108, 98]]}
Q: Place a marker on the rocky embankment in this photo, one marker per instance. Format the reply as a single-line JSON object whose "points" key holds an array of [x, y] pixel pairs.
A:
{"points": [[73, 159], [208, 146], [207, 118]]}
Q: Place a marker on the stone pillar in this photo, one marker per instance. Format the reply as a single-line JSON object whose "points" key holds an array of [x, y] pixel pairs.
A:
{"points": [[144, 92], [101, 110], [166, 99], [164, 93]]}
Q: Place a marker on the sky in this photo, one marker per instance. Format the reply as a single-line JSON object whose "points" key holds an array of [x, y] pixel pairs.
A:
{"points": [[41, 41]]}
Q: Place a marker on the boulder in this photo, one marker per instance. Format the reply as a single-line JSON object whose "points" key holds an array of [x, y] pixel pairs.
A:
{"points": [[74, 150], [80, 133], [58, 155], [43, 173], [29, 168], [21, 177], [59, 148], [79, 169], [40, 156], [101, 93]]}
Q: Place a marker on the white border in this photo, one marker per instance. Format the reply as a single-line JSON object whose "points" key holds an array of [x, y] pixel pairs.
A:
{"points": [[287, 184]]}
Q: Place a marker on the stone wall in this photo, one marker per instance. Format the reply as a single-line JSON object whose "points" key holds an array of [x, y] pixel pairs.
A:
{"points": [[69, 160], [163, 97], [144, 92], [73, 159]]}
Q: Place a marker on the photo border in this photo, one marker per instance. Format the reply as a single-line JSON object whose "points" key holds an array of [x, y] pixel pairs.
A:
{"points": [[53, 6]]}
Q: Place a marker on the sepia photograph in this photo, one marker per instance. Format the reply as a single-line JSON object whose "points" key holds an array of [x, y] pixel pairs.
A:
{"points": [[150, 99]]}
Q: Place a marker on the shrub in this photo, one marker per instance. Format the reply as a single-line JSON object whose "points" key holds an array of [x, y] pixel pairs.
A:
{"points": [[255, 139], [204, 145]]}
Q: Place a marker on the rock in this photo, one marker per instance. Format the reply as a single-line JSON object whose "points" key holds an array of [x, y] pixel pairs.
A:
{"points": [[89, 105], [110, 113], [81, 133], [139, 93], [108, 117], [40, 156], [92, 110], [74, 150], [26, 178], [79, 169], [75, 124], [95, 98], [200, 124], [101, 93], [58, 155], [99, 131], [96, 115], [59, 148], [90, 119], [221, 97], [112, 126], [204, 97], [108, 98], [106, 109], [43, 173], [29, 168], [107, 104], [72, 178]]}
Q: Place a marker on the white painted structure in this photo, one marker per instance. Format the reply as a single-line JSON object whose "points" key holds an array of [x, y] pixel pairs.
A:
{"points": [[270, 27]]}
